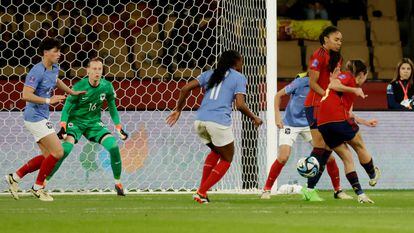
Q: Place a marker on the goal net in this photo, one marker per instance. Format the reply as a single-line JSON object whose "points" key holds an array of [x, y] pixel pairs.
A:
{"points": [[150, 49]]}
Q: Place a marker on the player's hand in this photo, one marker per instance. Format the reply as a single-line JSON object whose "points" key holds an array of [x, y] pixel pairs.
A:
{"points": [[372, 123], [278, 121], [78, 92], [173, 118], [62, 132], [57, 99], [257, 121], [359, 92], [121, 133], [335, 73]]}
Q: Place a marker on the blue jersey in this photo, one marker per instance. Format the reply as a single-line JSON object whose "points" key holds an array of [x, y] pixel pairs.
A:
{"points": [[43, 81], [217, 101], [295, 116]]}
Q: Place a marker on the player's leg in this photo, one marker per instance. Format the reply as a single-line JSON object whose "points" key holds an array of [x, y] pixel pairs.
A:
{"points": [[320, 151], [331, 167], [32, 165], [100, 134], [52, 144], [213, 156], [67, 148], [365, 158], [349, 166], [220, 139], [287, 136]]}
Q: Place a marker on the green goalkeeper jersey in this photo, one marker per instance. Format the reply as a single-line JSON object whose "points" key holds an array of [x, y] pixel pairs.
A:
{"points": [[87, 108]]}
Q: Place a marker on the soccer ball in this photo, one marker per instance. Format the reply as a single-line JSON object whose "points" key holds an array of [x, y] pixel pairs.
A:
{"points": [[308, 167]]}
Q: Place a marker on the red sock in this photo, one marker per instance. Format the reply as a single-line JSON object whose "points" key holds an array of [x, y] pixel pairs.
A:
{"points": [[333, 172], [209, 163], [45, 169], [216, 174], [31, 166], [273, 174]]}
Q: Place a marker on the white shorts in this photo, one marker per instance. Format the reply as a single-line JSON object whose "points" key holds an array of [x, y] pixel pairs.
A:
{"points": [[40, 129], [211, 132], [289, 134]]}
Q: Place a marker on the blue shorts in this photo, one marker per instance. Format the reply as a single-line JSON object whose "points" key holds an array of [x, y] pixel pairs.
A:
{"points": [[311, 117], [336, 133]]}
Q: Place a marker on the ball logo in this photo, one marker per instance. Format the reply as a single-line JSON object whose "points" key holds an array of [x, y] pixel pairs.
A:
{"points": [[103, 96]]}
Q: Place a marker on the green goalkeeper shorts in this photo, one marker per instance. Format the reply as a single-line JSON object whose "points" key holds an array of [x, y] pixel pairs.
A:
{"points": [[94, 132]]}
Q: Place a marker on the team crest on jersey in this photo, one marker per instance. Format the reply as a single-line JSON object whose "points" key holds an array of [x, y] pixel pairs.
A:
{"points": [[341, 76], [287, 131], [32, 79], [70, 125], [315, 63], [49, 125], [103, 96]]}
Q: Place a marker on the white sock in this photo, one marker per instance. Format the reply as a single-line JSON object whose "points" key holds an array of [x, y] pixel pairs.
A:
{"points": [[37, 187], [16, 177]]}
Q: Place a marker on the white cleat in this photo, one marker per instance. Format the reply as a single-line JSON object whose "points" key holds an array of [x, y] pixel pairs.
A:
{"points": [[373, 181], [13, 186], [342, 195], [265, 195], [41, 194], [363, 198]]}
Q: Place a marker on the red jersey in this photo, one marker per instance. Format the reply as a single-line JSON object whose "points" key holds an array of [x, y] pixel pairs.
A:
{"points": [[319, 61], [335, 106]]}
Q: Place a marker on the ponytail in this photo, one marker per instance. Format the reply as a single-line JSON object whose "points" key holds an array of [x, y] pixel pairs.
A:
{"points": [[226, 61]]}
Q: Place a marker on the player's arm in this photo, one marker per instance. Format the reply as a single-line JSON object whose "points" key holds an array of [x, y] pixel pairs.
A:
{"points": [[30, 96], [113, 112], [244, 109], [184, 93], [336, 85], [278, 114], [359, 120], [313, 82], [70, 103], [62, 86]]}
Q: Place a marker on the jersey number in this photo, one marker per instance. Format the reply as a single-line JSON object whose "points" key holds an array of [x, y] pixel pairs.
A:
{"points": [[215, 91], [92, 107]]}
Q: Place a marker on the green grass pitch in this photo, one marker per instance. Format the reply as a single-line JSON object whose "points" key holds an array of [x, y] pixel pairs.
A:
{"points": [[392, 212]]}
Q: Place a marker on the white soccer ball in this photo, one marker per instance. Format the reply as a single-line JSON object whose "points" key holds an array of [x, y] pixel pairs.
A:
{"points": [[308, 167]]}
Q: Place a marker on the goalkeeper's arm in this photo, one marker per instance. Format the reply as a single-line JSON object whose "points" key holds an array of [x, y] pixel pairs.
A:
{"points": [[115, 118]]}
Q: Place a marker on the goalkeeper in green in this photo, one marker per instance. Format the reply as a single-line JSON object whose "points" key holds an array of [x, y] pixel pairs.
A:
{"points": [[81, 115]]}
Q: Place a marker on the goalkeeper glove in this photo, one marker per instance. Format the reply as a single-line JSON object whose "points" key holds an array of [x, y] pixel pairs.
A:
{"points": [[62, 132], [121, 133]]}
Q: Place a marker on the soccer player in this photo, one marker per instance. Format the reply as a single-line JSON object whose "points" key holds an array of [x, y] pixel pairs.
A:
{"points": [[81, 115], [294, 123], [222, 86], [39, 85], [338, 128], [323, 61]]}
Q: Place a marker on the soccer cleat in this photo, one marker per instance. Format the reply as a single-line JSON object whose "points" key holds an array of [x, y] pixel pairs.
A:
{"points": [[119, 190], [13, 186], [200, 198], [41, 194], [265, 194], [363, 198], [373, 181], [311, 195], [342, 195]]}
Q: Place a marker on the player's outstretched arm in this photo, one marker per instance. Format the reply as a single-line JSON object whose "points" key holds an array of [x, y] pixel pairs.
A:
{"points": [[69, 104], [242, 107], [29, 96], [62, 86], [336, 85], [184, 93]]}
